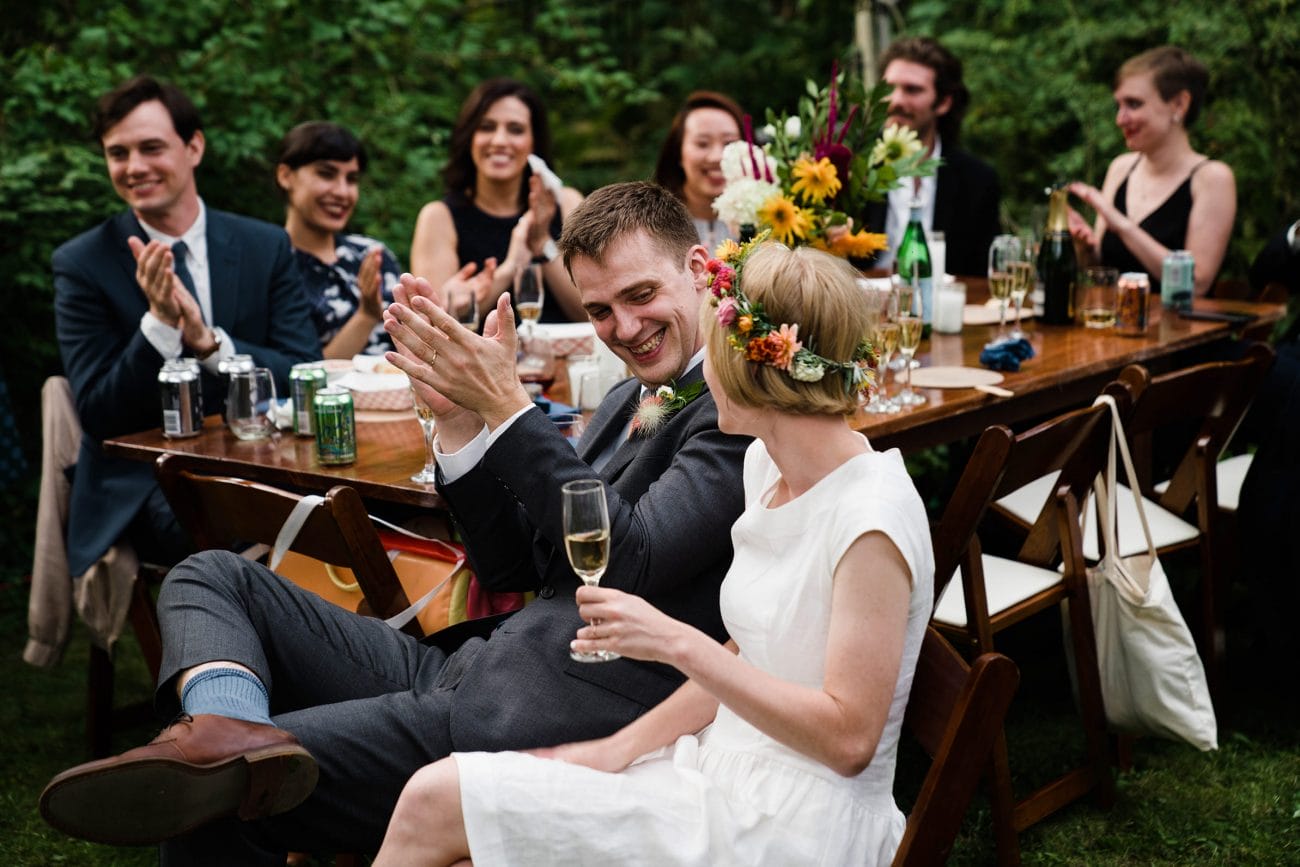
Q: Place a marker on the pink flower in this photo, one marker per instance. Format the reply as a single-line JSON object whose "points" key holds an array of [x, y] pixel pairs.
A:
{"points": [[727, 312], [785, 342]]}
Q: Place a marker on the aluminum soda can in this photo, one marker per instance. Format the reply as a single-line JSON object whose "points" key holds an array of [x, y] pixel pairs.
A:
{"points": [[182, 401], [304, 381], [1177, 279], [336, 426], [198, 375], [1131, 303]]}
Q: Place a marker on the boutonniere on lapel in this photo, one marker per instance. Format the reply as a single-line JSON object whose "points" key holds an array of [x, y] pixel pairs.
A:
{"points": [[654, 410]]}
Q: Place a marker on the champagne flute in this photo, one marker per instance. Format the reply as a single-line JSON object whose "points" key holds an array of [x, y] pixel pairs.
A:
{"points": [[530, 294], [909, 339], [905, 295], [1003, 253], [884, 339], [1023, 276], [462, 303], [428, 475], [586, 541]]}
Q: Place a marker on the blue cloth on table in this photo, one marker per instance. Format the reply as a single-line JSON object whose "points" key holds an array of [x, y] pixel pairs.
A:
{"points": [[554, 408], [1006, 354]]}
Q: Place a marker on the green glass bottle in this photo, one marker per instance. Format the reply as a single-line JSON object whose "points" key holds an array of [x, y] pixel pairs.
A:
{"points": [[913, 263], [1056, 264]]}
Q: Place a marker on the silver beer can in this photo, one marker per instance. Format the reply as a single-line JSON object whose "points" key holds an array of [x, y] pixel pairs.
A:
{"points": [[182, 402], [1177, 280], [304, 381]]}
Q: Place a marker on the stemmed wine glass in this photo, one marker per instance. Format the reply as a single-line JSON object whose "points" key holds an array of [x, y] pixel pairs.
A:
{"points": [[428, 475], [530, 294], [1004, 255], [910, 327], [586, 541], [884, 339], [462, 303]]}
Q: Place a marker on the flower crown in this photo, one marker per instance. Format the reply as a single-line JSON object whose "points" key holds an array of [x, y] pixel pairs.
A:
{"points": [[753, 334]]}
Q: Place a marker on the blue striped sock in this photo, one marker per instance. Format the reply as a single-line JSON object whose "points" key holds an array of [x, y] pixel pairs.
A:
{"points": [[230, 692]]}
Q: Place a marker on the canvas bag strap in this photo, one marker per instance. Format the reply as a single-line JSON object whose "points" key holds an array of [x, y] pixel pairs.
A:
{"points": [[1120, 441], [293, 524]]}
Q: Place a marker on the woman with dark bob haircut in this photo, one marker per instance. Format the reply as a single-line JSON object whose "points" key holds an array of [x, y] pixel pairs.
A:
{"points": [[349, 278], [690, 161], [493, 207], [1162, 195]]}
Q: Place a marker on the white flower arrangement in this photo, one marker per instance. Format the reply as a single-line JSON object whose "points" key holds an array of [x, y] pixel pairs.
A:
{"points": [[751, 180]]}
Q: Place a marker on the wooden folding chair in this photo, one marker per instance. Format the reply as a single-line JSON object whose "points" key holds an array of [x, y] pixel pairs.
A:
{"points": [[220, 511], [996, 592], [955, 712], [1202, 406]]}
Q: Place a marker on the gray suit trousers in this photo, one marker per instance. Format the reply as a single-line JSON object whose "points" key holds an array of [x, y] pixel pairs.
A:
{"points": [[369, 702]]}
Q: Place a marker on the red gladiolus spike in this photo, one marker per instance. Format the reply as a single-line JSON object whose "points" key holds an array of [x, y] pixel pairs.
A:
{"points": [[844, 130]]}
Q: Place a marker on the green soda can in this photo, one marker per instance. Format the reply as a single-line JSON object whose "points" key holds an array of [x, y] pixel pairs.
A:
{"points": [[304, 381], [336, 427]]}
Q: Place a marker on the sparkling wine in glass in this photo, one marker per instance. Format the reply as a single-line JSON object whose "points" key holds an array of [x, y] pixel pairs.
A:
{"points": [[1023, 276], [586, 541], [909, 339], [428, 475], [1004, 253], [530, 294], [885, 340]]}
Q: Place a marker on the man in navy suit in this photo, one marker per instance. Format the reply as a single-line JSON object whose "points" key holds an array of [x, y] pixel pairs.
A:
{"points": [[128, 297], [962, 198]]}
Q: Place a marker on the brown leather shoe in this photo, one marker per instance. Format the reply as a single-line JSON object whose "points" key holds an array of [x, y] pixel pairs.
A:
{"points": [[199, 769]]}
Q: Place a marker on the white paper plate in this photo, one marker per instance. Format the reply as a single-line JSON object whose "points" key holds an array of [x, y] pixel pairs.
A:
{"points": [[954, 377], [988, 313]]}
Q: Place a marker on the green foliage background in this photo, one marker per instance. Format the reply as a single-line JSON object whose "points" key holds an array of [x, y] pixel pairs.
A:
{"points": [[612, 72]]}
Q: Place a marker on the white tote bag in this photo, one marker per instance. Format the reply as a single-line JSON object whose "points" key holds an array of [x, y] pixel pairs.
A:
{"points": [[1152, 680]]}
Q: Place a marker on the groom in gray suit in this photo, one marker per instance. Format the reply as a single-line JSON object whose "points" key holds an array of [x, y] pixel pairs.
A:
{"points": [[165, 278], [306, 720]]}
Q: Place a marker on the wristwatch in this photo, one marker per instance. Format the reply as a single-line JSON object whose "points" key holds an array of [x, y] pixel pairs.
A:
{"points": [[548, 254], [216, 346]]}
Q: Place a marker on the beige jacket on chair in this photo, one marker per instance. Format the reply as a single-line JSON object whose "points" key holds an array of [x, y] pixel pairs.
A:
{"points": [[102, 596]]}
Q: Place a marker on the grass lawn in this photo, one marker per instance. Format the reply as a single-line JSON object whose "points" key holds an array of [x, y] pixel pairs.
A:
{"points": [[1239, 805]]}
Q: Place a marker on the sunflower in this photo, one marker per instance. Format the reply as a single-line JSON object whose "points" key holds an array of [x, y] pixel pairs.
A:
{"points": [[858, 245], [896, 143], [788, 220], [815, 182]]}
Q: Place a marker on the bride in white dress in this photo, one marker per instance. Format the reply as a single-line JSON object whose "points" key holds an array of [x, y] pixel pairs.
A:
{"points": [[780, 748]]}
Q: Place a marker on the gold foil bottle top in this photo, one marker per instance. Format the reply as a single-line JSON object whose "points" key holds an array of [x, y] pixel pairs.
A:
{"points": [[1058, 210]]}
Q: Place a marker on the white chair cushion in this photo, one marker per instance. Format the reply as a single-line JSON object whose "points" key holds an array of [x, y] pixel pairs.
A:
{"points": [[1228, 477], [1166, 528], [1006, 582]]}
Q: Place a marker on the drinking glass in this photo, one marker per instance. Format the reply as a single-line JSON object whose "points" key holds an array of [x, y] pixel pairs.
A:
{"points": [[428, 475], [529, 295], [535, 362], [909, 339], [1097, 297], [884, 338], [905, 295], [572, 425], [586, 541], [1004, 252], [1024, 274], [250, 404], [462, 303]]}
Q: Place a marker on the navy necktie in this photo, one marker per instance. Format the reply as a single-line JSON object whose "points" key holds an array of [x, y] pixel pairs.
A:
{"points": [[182, 270]]}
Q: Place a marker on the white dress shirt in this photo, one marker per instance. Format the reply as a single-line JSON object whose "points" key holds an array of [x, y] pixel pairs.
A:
{"points": [[900, 208]]}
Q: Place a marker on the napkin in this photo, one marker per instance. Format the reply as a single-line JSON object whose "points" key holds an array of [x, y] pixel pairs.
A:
{"points": [[1006, 354], [550, 179], [553, 408]]}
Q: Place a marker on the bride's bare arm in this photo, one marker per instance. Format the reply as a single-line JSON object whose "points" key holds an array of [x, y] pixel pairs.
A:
{"points": [[839, 724]]}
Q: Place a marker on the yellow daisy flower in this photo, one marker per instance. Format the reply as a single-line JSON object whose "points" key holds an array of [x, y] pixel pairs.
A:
{"points": [[896, 143], [727, 250], [815, 182], [788, 220]]}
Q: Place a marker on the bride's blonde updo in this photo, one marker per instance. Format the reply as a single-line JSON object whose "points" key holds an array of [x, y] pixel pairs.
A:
{"points": [[803, 286]]}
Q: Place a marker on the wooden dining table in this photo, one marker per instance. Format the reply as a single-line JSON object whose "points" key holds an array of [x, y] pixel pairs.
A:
{"points": [[1069, 367]]}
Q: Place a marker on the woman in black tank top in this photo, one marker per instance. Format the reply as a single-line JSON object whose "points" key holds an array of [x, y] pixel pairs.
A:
{"points": [[1181, 199], [493, 206]]}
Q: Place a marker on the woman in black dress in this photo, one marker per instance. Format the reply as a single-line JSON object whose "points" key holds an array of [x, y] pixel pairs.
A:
{"points": [[1162, 195], [493, 206]]}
